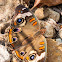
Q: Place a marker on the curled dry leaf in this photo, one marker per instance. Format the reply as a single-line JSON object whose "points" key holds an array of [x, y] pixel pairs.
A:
{"points": [[47, 2]]}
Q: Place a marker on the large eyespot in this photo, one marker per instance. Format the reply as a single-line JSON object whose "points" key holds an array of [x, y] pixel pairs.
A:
{"points": [[32, 57], [17, 30], [14, 39], [20, 20]]}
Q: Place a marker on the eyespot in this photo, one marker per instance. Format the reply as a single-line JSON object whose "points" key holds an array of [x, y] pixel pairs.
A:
{"points": [[21, 11], [17, 30], [14, 39], [32, 57], [20, 20], [22, 53]]}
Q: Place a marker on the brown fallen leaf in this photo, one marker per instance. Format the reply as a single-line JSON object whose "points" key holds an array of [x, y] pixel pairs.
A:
{"points": [[47, 2]]}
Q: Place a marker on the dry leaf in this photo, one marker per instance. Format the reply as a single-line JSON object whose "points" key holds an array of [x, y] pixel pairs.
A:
{"points": [[47, 2]]}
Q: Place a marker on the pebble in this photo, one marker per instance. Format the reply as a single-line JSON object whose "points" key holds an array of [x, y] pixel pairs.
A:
{"points": [[4, 55], [59, 41], [50, 31], [42, 13], [39, 13]]}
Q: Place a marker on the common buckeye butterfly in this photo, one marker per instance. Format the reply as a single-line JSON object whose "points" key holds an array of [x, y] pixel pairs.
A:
{"points": [[25, 38]]}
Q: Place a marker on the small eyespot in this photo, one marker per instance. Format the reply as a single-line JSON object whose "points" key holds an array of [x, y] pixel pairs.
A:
{"points": [[20, 20], [14, 39], [21, 11], [22, 53], [17, 30]]}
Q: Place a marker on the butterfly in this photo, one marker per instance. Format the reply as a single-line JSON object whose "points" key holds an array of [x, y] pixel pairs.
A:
{"points": [[25, 38]]}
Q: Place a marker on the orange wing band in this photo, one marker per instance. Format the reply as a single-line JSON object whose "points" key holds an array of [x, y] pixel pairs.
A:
{"points": [[32, 19], [18, 55], [34, 23], [15, 23], [10, 35], [41, 43], [41, 48]]}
